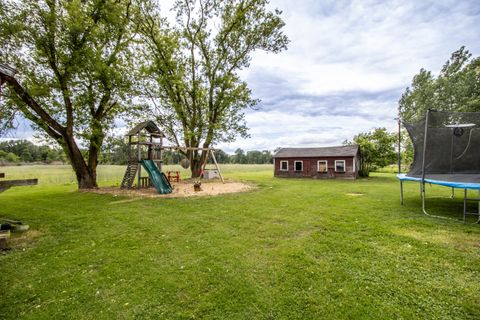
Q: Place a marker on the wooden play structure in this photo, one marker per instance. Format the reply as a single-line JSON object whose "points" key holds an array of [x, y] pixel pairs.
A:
{"points": [[144, 143], [145, 149]]}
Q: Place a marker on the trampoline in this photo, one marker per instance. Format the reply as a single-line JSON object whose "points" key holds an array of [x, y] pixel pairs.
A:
{"points": [[446, 153]]}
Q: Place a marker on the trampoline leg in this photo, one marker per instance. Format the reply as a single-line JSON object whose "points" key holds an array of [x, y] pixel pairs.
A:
{"points": [[401, 192], [452, 195], [464, 205], [424, 209], [478, 220], [422, 191]]}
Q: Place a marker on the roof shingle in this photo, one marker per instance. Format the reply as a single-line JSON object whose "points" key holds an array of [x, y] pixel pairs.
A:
{"points": [[341, 151]]}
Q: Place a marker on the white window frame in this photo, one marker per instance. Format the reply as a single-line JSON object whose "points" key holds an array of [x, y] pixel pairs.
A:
{"points": [[283, 161], [344, 166], [295, 165], [326, 166]]}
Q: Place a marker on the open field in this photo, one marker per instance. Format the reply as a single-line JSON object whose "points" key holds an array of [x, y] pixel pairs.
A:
{"points": [[290, 249]]}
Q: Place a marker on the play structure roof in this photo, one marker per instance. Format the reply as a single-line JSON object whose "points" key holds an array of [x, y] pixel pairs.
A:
{"points": [[342, 151], [150, 126]]}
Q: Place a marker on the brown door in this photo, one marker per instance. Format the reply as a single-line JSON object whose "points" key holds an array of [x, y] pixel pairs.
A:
{"points": [[306, 168]]}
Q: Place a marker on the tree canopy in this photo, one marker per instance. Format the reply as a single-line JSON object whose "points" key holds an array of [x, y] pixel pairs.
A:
{"points": [[76, 71], [377, 149], [456, 88], [194, 67]]}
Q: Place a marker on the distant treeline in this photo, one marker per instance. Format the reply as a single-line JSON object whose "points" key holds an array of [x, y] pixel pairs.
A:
{"points": [[114, 151], [17, 151], [239, 157]]}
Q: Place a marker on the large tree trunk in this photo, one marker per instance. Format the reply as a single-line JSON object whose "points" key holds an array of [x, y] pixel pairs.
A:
{"points": [[196, 168], [86, 174], [197, 163]]}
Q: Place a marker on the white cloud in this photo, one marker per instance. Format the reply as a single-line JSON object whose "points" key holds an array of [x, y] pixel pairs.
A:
{"points": [[347, 64], [343, 57]]}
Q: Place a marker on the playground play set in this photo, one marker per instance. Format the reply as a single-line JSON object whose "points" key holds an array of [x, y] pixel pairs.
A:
{"points": [[145, 150]]}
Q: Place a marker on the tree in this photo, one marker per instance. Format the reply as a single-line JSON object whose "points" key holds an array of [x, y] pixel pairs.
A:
{"points": [[267, 156], [254, 156], [240, 156], [199, 95], [76, 68], [221, 157], [377, 149], [457, 88], [115, 151]]}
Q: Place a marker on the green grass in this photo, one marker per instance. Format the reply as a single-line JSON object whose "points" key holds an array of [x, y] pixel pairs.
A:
{"points": [[107, 174], [291, 249]]}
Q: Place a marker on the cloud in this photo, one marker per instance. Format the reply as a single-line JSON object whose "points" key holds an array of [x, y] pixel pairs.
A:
{"points": [[347, 64]]}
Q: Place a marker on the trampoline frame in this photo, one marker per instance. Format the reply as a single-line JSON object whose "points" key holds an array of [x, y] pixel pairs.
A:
{"points": [[423, 180]]}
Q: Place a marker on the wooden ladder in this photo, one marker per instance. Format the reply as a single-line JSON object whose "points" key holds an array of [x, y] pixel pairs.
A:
{"points": [[130, 174]]}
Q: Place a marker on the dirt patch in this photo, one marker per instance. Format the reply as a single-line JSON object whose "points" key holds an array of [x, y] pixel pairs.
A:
{"points": [[181, 190], [355, 194]]}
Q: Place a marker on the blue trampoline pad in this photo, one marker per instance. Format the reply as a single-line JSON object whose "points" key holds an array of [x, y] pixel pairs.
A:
{"points": [[461, 181]]}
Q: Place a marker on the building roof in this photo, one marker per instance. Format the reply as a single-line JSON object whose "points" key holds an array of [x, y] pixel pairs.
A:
{"points": [[342, 151], [150, 126]]}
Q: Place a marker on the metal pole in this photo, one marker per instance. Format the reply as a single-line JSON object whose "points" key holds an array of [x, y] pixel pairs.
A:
{"points": [[422, 191], [451, 153], [400, 159], [399, 147], [423, 161], [478, 219], [425, 145], [401, 192]]}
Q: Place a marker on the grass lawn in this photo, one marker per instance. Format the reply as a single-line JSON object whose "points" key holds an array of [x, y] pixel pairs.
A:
{"points": [[291, 249]]}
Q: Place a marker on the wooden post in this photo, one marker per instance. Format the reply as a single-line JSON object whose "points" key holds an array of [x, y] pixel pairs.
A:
{"points": [[139, 158], [129, 152], [205, 163], [160, 155], [216, 165]]}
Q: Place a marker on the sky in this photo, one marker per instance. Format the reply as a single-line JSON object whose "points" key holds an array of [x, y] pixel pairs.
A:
{"points": [[347, 64]]}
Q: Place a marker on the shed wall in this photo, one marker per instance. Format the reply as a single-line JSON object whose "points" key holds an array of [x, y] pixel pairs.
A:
{"points": [[310, 168]]}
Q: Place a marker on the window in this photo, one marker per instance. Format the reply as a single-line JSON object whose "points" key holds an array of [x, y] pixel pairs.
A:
{"points": [[322, 166], [298, 165], [283, 165], [339, 165]]}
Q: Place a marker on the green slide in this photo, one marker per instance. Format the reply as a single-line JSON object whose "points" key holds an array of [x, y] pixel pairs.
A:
{"points": [[158, 178]]}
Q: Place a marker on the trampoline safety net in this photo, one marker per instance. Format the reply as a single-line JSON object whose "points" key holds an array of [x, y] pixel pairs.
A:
{"points": [[452, 146]]}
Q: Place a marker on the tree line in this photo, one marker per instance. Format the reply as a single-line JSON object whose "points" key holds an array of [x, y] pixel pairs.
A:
{"points": [[239, 157], [16, 151], [115, 152]]}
